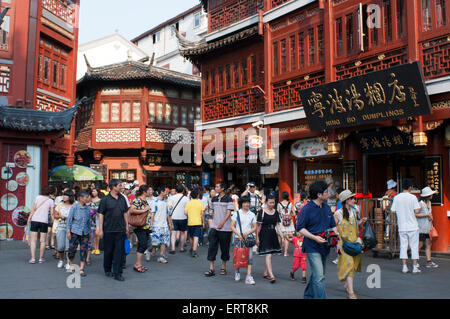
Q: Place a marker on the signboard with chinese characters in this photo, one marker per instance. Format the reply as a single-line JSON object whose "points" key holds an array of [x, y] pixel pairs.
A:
{"points": [[433, 177], [395, 93], [387, 140]]}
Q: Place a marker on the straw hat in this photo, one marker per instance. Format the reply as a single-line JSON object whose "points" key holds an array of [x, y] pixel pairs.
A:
{"points": [[391, 184], [427, 191], [345, 195]]}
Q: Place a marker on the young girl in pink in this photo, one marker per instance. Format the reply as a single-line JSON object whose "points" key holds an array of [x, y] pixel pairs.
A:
{"points": [[299, 258]]}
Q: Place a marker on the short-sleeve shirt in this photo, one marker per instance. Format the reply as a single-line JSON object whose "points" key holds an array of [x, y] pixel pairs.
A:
{"points": [[220, 207], [194, 209], [316, 220], [161, 211], [141, 205], [43, 204], [246, 220], [404, 205], [113, 211], [178, 213]]}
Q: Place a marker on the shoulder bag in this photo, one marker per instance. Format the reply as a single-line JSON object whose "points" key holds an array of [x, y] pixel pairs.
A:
{"points": [[248, 242], [138, 220], [352, 248], [173, 209]]}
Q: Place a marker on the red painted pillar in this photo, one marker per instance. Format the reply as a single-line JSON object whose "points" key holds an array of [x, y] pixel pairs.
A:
{"points": [[44, 164], [286, 172], [219, 174]]}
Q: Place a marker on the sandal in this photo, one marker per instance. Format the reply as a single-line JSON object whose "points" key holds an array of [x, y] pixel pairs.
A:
{"points": [[32, 261], [139, 269], [223, 272], [41, 261], [291, 275], [272, 280], [88, 263], [172, 252], [210, 273], [267, 277], [352, 296], [82, 273], [182, 250]]}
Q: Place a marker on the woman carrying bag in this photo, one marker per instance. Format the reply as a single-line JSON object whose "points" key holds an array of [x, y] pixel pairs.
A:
{"points": [[139, 218], [425, 221], [243, 225], [349, 259]]}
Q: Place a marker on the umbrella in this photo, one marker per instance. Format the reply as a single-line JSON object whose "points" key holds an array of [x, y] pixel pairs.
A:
{"points": [[75, 173]]}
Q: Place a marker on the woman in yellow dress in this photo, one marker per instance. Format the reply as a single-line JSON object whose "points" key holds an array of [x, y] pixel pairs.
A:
{"points": [[347, 223]]}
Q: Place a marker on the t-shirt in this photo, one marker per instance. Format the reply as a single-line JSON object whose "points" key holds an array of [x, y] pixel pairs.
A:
{"points": [[161, 210], [113, 211], [246, 220], [220, 207], [404, 205], [316, 220], [178, 213], [425, 225], [64, 212], [194, 208], [298, 245], [332, 201], [150, 201], [43, 204]]}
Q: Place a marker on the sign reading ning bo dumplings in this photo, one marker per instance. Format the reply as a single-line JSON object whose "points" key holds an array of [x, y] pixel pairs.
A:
{"points": [[395, 93]]}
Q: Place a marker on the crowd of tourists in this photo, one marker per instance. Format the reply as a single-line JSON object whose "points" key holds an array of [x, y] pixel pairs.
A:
{"points": [[161, 221]]}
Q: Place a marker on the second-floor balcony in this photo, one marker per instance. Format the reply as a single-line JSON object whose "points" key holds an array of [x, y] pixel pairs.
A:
{"points": [[226, 12]]}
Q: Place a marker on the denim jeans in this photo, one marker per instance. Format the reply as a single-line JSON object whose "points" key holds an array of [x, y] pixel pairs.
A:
{"points": [[316, 284]]}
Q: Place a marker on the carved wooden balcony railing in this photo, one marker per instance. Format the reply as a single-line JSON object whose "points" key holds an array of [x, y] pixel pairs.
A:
{"points": [[231, 12], [244, 102], [276, 3], [435, 57], [61, 8], [285, 93], [372, 63]]}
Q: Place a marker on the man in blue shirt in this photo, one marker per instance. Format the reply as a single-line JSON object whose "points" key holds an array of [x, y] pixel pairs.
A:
{"points": [[316, 217]]}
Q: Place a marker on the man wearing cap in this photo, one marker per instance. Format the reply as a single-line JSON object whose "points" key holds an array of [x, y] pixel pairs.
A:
{"points": [[405, 206], [391, 185], [127, 193], [255, 199]]}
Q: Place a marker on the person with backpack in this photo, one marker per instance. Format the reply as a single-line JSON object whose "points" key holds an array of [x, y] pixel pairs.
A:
{"points": [[287, 212]]}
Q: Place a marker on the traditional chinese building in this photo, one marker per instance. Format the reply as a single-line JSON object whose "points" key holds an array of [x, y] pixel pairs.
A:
{"points": [[139, 112], [259, 56]]}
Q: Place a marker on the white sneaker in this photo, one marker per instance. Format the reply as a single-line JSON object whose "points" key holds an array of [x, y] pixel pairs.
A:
{"points": [[60, 264], [249, 280], [237, 276], [68, 268], [162, 260], [255, 249], [432, 265], [405, 269], [147, 256], [335, 261], [416, 270]]}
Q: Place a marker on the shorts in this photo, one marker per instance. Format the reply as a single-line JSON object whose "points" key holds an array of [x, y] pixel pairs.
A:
{"points": [[179, 224], [208, 217], [39, 227], [424, 237], [195, 231], [62, 243], [160, 235]]}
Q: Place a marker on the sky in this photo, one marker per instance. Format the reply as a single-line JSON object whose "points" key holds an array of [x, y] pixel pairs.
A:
{"points": [[99, 18]]}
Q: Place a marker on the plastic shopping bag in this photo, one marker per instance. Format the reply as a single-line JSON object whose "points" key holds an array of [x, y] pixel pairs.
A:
{"points": [[369, 238], [240, 257], [127, 245]]}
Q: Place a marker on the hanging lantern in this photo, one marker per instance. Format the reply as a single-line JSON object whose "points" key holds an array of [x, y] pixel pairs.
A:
{"points": [[420, 139], [334, 147]]}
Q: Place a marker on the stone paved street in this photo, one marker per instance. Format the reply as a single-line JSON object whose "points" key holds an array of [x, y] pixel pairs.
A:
{"points": [[183, 278]]}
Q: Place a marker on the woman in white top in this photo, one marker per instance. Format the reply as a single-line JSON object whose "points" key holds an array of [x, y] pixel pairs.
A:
{"points": [[287, 211], [61, 214], [425, 221], [39, 221]]}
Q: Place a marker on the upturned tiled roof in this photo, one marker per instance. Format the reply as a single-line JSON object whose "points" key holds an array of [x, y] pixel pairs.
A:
{"points": [[133, 70], [18, 118]]}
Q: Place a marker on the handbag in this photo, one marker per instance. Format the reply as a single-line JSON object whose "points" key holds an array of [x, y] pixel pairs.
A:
{"points": [[369, 238], [433, 233], [137, 220], [249, 242], [352, 248], [240, 257]]}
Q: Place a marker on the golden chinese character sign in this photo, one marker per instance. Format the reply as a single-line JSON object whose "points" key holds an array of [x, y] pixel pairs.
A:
{"points": [[398, 92], [433, 177], [386, 140]]}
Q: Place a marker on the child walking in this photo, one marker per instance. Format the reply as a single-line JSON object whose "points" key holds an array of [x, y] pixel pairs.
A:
{"points": [[299, 258], [162, 224]]}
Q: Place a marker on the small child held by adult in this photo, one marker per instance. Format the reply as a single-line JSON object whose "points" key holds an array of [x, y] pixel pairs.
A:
{"points": [[299, 258]]}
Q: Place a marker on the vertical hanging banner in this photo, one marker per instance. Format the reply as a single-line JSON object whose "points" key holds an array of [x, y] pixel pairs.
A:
{"points": [[394, 93], [433, 177]]}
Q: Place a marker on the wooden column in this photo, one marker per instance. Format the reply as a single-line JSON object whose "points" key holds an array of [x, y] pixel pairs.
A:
{"points": [[44, 163], [285, 170], [268, 68], [329, 41], [412, 16], [219, 174]]}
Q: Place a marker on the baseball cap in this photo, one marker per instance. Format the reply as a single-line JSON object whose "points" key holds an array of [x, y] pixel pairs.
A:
{"points": [[251, 184], [127, 186]]}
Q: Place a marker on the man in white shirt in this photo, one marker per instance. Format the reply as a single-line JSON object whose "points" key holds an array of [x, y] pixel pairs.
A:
{"points": [[405, 206], [177, 204]]}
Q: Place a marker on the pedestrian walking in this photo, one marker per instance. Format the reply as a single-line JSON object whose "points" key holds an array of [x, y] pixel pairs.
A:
{"points": [[299, 258], [140, 206], [267, 238], [113, 226], [162, 224], [348, 224], [78, 229], [177, 205], [61, 215], [405, 206], [96, 197], [244, 225], [316, 218], [425, 222], [195, 212], [287, 213], [255, 197], [220, 232], [38, 221]]}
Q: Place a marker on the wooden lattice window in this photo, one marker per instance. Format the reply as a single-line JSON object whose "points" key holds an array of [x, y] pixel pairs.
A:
{"points": [[301, 49], [283, 56], [159, 112], [220, 79], [339, 42], [312, 51], [275, 58], [321, 43], [136, 111], [349, 33], [126, 111], [151, 112], [228, 76], [254, 68], [441, 15], [5, 33], [244, 71], [206, 83], [175, 114], [213, 81], [104, 112], [387, 20], [293, 53], [401, 14], [236, 75], [5, 78]]}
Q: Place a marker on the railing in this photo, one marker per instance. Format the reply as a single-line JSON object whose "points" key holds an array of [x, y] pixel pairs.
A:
{"points": [[231, 12], [235, 104], [435, 57], [61, 8], [276, 3]]}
